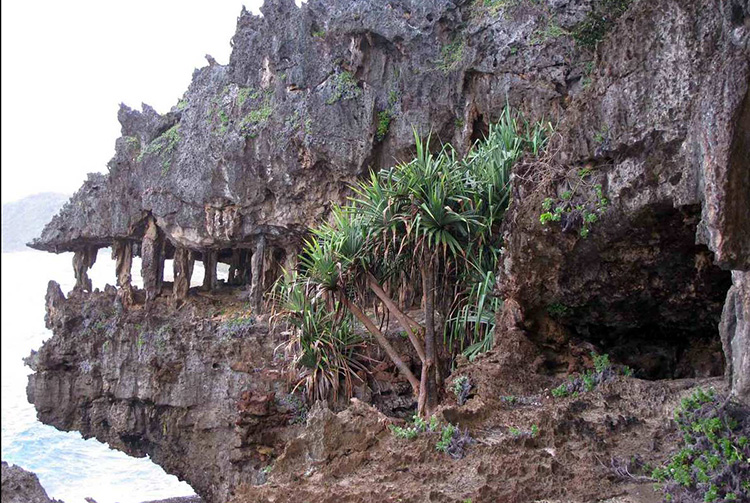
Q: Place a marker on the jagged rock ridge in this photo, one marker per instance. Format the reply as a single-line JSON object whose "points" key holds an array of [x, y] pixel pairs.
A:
{"points": [[656, 113], [254, 151]]}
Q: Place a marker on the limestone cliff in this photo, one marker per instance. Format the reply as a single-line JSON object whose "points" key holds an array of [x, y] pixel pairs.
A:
{"points": [[662, 131], [652, 113]]}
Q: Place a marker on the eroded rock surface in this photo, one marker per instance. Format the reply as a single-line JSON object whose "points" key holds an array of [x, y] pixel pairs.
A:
{"points": [[20, 486], [174, 385], [662, 132], [261, 145], [201, 389], [735, 334], [655, 113]]}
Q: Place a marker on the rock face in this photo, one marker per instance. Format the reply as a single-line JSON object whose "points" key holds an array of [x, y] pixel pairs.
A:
{"points": [[194, 392], [735, 334], [312, 98], [657, 149], [648, 167], [201, 389], [20, 486]]}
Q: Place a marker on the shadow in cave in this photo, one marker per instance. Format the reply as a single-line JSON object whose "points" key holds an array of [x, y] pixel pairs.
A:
{"points": [[658, 352]]}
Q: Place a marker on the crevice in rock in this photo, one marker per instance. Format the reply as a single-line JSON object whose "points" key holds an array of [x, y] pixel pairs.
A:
{"points": [[658, 352], [479, 129]]}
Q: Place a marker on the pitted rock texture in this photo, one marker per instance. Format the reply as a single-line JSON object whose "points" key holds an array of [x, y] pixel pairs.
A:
{"points": [[353, 456], [255, 150], [262, 145], [20, 486], [202, 389], [735, 334], [198, 392], [663, 129]]}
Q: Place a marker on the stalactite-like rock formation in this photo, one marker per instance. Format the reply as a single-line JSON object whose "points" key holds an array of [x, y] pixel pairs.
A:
{"points": [[183, 272], [152, 266], [256, 271], [122, 253], [83, 260], [654, 114]]}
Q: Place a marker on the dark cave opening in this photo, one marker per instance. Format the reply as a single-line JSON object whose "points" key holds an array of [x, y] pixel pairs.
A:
{"points": [[479, 129], [658, 352], [646, 294]]}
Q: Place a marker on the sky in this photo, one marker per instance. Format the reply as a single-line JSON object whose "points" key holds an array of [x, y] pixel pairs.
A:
{"points": [[67, 66]]}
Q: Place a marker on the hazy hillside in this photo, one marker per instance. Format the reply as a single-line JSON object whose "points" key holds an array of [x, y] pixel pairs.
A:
{"points": [[23, 220]]}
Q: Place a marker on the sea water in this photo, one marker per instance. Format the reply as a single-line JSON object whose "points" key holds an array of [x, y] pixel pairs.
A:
{"points": [[69, 467]]}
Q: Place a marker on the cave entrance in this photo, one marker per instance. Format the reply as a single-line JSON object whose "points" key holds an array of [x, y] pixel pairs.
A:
{"points": [[658, 352], [646, 294], [479, 129]]}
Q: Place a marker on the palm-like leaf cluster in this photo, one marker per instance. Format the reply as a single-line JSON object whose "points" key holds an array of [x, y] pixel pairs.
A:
{"points": [[434, 219], [327, 352]]}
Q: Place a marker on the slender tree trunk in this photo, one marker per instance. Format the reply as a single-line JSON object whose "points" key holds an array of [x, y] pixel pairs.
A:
{"points": [[390, 351], [400, 316], [428, 291], [424, 386]]}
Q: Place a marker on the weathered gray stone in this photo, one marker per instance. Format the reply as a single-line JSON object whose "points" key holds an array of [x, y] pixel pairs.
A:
{"points": [[161, 383], [257, 264], [255, 150], [663, 129], [735, 335], [261, 145], [183, 272], [83, 260], [20, 486], [122, 253], [210, 261], [152, 265]]}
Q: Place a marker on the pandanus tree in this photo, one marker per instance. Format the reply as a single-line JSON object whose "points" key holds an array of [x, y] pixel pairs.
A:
{"points": [[432, 222]]}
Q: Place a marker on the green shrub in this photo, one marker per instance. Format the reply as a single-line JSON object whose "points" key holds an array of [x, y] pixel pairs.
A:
{"points": [[243, 93], [325, 348], [344, 88], [589, 32], [551, 31], [601, 362], [561, 391], [578, 207], [407, 433], [519, 433], [451, 440], [461, 388], [589, 380], [384, 123], [436, 217], [446, 435], [451, 55], [133, 142], [714, 463], [164, 144]]}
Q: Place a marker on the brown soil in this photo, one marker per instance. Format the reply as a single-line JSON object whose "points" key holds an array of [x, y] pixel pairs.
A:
{"points": [[353, 457]]}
